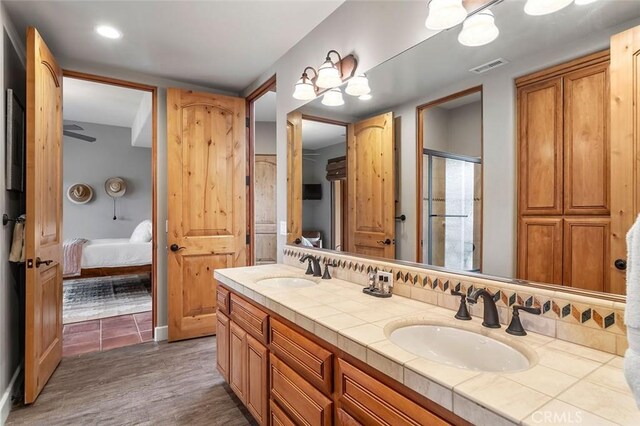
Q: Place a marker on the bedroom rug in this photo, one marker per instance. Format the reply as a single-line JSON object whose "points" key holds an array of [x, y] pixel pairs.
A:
{"points": [[94, 298]]}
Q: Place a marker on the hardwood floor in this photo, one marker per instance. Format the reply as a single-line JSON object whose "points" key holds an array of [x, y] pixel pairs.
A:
{"points": [[146, 384]]}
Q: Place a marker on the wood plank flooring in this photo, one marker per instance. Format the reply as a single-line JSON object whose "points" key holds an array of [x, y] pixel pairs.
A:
{"points": [[146, 384]]}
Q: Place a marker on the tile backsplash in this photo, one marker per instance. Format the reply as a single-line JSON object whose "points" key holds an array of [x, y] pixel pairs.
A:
{"points": [[588, 321]]}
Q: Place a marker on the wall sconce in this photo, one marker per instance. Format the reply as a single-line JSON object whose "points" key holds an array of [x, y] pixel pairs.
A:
{"points": [[329, 76]]}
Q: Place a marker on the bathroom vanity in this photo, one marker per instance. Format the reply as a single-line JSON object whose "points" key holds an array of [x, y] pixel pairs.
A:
{"points": [[297, 349]]}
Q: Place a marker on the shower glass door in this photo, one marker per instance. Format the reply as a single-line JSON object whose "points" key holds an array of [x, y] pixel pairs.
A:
{"points": [[453, 211]]}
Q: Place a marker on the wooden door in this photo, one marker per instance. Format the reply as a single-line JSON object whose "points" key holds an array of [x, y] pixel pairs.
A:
{"points": [[238, 361], [586, 141], [586, 253], [257, 388], [207, 207], [625, 134], [540, 249], [222, 345], [265, 209], [43, 235], [371, 186], [294, 177], [540, 148]]}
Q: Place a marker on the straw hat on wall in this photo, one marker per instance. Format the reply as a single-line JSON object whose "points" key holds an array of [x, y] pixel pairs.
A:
{"points": [[80, 193], [115, 187]]}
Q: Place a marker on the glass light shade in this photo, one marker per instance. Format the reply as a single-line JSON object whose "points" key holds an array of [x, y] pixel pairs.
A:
{"points": [[365, 97], [479, 29], [583, 2], [328, 75], [544, 7], [304, 90], [358, 86], [444, 14], [333, 98]]}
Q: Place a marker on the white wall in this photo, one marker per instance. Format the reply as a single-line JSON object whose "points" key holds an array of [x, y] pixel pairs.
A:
{"points": [[265, 137], [377, 31], [12, 75], [93, 163]]}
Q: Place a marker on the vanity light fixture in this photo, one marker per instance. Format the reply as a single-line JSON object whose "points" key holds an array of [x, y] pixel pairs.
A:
{"points": [[358, 86], [479, 29], [365, 97], [329, 76], [108, 32], [305, 90], [333, 97], [545, 7], [444, 14]]}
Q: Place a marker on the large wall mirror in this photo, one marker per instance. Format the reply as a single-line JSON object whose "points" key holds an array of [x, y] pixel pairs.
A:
{"points": [[498, 160]]}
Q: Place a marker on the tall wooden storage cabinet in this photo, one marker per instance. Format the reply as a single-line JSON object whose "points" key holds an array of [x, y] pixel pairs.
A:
{"points": [[564, 174]]}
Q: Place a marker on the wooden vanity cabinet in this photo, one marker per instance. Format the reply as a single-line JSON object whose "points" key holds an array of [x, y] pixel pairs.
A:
{"points": [[222, 345]]}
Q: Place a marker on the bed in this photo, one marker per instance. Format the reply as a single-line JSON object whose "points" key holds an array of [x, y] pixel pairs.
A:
{"points": [[109, 256]]}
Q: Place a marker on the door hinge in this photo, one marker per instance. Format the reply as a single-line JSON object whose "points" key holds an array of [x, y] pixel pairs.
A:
{"points": [[248, 239], [248, 180], [246, 122]]}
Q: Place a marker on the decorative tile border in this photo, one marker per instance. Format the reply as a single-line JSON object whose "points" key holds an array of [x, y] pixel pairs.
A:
{"points": [[600, 321]]}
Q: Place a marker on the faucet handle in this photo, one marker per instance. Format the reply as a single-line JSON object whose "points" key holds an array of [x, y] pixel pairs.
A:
{"points": [[515, 326], [463, 312]]}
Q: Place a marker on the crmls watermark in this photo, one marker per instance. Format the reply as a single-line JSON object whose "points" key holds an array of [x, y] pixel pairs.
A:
{"points": [[557, 417]]}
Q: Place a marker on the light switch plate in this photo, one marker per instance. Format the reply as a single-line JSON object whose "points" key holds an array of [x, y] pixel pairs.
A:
{"points": [[388, 275], [283, 227]]}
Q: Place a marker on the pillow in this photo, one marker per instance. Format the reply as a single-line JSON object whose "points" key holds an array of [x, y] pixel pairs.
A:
{"points": [[142, 233]]}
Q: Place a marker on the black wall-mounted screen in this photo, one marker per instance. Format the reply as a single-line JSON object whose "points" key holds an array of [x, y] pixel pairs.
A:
{"points": [[312, 191]]}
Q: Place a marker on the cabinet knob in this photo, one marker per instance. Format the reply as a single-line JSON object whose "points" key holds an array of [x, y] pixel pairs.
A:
{"points": [[620, 264]]}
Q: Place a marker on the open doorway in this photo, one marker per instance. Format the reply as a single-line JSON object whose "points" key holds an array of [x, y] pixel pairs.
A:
{"points": [[108, 213], [262, 135]]}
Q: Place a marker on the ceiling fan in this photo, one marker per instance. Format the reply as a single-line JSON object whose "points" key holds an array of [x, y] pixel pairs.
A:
{"points": [[67, 131]]}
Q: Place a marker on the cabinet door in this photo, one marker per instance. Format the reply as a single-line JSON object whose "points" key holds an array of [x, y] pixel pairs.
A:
{"points": [[586, 253], [540, 148], [222, 345], [586, 141], [257, 390], [238, 361], [540, 249], [278, 417]]}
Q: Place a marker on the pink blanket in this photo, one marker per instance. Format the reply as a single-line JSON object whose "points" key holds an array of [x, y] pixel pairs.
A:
{"points": [[72, 251]]}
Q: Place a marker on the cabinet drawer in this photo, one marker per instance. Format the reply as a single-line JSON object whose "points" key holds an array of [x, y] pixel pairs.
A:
{"points": [[307, 358], [344, 419], [369, 401], [298, 398], [253, 320], [222, 300], [277, 417]]}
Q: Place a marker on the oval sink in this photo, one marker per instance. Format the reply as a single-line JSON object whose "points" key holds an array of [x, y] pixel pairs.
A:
{"points": [[459, 348], [286, 282]]}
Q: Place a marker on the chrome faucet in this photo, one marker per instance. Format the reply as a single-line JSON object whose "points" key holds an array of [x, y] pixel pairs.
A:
{"points": [[491, 319], [314, 265]]}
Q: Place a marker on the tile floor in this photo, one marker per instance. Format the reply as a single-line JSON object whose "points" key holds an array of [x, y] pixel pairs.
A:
{"points": [[107, 333]]}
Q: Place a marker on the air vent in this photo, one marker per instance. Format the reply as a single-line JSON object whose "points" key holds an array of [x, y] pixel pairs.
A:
{"points": [[489, 66]]}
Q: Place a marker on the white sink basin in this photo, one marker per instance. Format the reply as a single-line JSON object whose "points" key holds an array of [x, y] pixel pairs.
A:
{"points": [[286, 282], [459, 348]]}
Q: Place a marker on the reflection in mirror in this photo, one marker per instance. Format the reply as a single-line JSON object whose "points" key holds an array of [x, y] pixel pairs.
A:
{"points": [[501, 159]]}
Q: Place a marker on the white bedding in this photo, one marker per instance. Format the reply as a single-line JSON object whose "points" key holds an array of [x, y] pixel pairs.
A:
{"points": [[115, 252]]}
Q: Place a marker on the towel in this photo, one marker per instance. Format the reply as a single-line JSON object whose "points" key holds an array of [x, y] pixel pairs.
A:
{"points": [[632, 311], [17, 254], [72, 255]]}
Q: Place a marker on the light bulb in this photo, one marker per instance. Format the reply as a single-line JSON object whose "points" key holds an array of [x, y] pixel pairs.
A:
{"points": [[358, 85], [444, 14], [304, 90], [108, 32], [365, 97], [583, 2], [333, 98], [544, 7], [328, 75], [479, 29]]}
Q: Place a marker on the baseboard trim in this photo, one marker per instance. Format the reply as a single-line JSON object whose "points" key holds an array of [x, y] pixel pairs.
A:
{"points": [[161, 333], [5, 402]]}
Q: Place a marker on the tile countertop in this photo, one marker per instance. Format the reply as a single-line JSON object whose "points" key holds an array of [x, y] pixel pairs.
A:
{"points": [[567, 384]]}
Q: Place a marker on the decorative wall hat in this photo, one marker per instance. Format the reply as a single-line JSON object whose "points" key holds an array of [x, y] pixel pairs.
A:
{"points": [[115, 188], [80, 193]]}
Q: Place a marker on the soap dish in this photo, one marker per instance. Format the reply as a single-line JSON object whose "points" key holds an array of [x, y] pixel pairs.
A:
{"points": [[375, 293]]}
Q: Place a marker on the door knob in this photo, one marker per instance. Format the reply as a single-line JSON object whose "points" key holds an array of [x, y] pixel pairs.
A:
{"points": [[297, 241], [40, 262], [620, 264], [386, 242], [175, 247]]}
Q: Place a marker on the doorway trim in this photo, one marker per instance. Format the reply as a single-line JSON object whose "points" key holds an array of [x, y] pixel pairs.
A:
{"points": [[419, 152], [154, 157], [267, 86]]}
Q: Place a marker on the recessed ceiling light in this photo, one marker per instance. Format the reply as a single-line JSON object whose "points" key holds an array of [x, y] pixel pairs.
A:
{"points": [[108, 32]]}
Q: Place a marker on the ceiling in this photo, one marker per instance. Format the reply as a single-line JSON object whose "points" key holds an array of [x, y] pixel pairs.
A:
{"points": [[414, 73], [265, 107], [317, 135], [221, 44]]}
